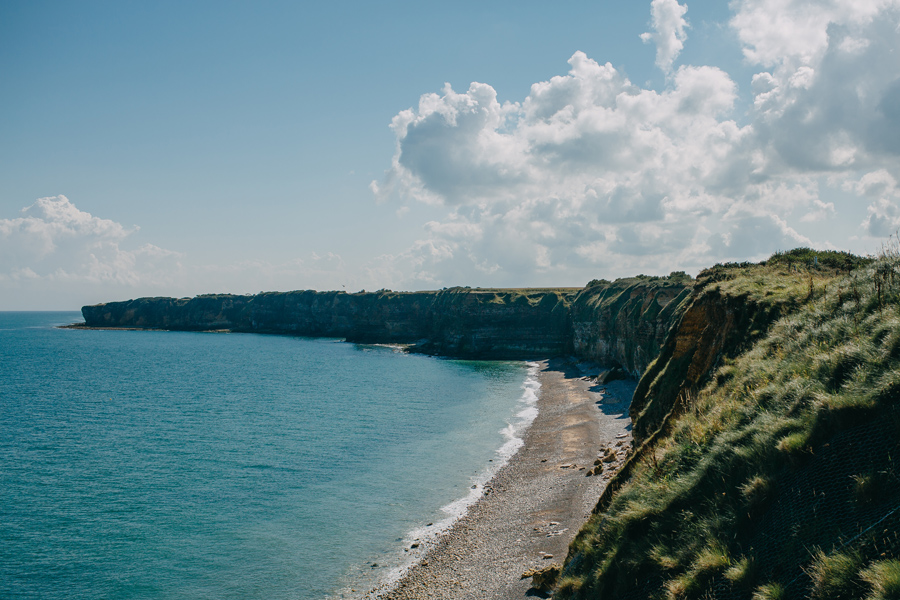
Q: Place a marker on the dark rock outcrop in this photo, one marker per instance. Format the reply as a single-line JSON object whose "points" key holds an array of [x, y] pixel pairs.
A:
{"points": [[620, 323], [625, 322], [461, 322]]}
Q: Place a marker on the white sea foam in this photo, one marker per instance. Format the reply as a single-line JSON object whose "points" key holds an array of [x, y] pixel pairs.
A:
{"points": [[427, 536]]}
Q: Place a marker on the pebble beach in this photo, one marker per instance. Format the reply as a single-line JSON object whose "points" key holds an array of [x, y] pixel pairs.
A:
{"points": [[536, 503]]}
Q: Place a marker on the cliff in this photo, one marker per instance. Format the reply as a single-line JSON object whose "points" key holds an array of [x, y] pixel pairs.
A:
{"points": [[462, 322], [498, 323], [616, 323], [767, 431], [766, 419], [720, 318], [625, 322]]}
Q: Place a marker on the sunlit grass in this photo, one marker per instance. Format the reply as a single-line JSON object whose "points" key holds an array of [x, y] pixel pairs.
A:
{"points": [[825, 357], [883, 580]]}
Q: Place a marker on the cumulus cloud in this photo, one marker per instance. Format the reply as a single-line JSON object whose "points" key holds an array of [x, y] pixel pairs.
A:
{"points": [[582, 172], [590, 136], [796, 32], [454, 147], [593, 172], [57, 256], [874, 184], [828, 99], [54, 241], [883, 218], [669, 33], [883, 213]]}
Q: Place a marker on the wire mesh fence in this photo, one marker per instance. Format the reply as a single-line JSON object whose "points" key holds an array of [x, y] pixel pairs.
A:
{"points": [[846, 497]]}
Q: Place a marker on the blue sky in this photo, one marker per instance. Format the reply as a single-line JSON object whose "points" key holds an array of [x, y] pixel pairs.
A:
{"points": [[176, 148]]}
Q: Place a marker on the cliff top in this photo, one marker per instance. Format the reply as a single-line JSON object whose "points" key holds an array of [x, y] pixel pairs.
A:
{"points": [[771, 473]]}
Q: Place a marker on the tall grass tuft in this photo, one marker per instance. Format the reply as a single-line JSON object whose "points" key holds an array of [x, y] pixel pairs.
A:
{"points": [[742, 573], [883, 579], [769, 591], [835, 576]]}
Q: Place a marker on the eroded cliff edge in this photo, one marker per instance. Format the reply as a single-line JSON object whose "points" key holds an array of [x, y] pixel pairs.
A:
{"points": [[766, 432], [623, 322]]}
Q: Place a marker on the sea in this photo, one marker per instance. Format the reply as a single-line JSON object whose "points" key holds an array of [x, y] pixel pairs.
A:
{"points": [[151, 464]]}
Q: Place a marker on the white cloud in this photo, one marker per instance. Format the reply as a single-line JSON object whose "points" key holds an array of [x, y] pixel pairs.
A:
{"points": [[580, 174], [795, 32], [828, 99], [876, 183], [883, 218], [754, 235], [57, 256], [591, 172], [454, 147], [588, 130], [54, 240], [882, 214], [669, 34]]}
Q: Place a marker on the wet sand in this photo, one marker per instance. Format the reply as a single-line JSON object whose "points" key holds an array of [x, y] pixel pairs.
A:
{"points": [[537, 502]]}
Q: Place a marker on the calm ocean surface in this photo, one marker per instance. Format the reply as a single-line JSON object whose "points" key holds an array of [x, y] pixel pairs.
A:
{"points": [[201, 465]]}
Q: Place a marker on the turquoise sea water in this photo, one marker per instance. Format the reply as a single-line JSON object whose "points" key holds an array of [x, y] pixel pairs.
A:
{"points": [[200, 465]]}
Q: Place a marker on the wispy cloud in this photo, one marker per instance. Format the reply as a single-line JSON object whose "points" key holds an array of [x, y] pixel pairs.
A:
{"points": [[55, 255], [668, 33]]}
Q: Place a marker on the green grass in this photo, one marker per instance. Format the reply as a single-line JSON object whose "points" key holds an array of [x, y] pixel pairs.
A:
{"points": [[742, 572], [836, 576], [824, 356], [883, 580], [739, 303], [830, 259], [769, 591]]}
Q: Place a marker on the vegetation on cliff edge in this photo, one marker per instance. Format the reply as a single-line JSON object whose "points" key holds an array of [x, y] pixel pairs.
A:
{"points": [[777, 477]]}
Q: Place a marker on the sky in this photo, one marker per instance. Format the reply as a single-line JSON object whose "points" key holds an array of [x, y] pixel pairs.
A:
{"points": [[181, 148]]}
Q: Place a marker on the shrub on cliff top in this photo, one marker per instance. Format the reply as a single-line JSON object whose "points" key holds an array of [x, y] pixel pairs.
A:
{"points": [[831, 259], [675, 277]]}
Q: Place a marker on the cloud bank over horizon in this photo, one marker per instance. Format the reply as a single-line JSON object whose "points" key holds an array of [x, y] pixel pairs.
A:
{"points": [[591, 172], [54, 242], [55, 245]]}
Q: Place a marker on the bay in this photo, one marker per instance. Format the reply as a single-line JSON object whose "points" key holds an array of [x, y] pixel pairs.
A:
{"points": [[141, 464]]}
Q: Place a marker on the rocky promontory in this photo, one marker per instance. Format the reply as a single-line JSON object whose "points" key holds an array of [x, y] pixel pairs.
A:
{"points": [[623, 322]]}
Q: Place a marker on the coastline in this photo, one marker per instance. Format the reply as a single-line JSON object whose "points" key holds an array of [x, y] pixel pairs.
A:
{"points": [[535, 504]]}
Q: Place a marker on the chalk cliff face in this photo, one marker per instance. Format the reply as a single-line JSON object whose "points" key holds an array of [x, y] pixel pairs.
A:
{"points": [[714, 322], [499, 323]]}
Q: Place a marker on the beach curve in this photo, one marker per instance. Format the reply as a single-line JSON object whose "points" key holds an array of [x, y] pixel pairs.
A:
{"points": [[536, 503]]}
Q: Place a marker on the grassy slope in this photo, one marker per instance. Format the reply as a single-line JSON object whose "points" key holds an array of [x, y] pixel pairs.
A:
{"points": [[732, 305], [714, 506]]}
